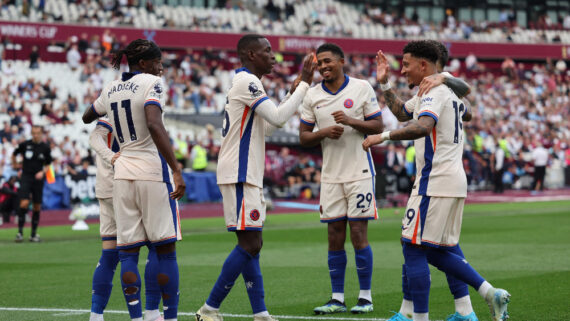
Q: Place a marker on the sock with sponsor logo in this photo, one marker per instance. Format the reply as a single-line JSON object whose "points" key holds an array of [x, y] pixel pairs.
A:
{"points": [[151, 287], [103, 280], [363, 258], [168, 280], [131, 282], [337, 268], [233, 266], [254, 285]]}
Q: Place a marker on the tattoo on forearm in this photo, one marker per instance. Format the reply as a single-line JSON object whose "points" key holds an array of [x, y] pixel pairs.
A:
{"points": [[414, 130], [395, 104], [459, 87]]}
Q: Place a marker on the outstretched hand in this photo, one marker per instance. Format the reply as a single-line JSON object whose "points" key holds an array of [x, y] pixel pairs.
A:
{"points": [[382, 68], [307, 72]]}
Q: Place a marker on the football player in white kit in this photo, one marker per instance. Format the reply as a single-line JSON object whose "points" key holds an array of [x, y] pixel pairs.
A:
{"points": [[345, 110], [107, 151], [248, 117], [432, 222], [404, 111], [144, 199]]}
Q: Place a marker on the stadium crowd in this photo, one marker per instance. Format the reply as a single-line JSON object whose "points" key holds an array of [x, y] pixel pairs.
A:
{"points": [[284, 17], [517, 109]]}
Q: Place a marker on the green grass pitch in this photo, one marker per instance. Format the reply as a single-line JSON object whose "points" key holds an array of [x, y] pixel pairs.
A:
{"points": [[524, 248]]}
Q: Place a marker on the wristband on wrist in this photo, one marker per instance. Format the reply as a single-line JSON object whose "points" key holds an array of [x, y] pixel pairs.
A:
{"points": [[385, 86], [385, 135]]}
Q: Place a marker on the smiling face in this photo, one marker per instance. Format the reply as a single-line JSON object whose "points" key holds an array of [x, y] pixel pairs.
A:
{"points": [[262, 56], [330, 66], [413, 68]]}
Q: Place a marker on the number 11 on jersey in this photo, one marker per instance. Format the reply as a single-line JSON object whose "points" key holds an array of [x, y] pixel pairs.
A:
{"points": [[126, 105]]}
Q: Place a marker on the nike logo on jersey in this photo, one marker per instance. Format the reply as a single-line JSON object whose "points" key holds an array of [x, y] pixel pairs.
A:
{"points": [[365, 210]]}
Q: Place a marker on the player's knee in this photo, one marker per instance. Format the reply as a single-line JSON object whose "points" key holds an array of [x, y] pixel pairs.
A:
{"points": [[162, 279], [24, 203], [129, 277]]}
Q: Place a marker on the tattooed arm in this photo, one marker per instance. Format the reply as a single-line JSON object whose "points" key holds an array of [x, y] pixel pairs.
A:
{"points": [[393, 102], [396, 105], [414, 130]]}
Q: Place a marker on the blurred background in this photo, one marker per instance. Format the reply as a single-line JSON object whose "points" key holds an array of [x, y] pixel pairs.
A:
{"points": [[55, 59]]}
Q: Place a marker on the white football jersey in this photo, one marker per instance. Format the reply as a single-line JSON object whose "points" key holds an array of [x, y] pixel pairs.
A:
{"points": [[344, 160], [413, 102], [439, 156], [124, 101], [105, 172], [242, 153]]}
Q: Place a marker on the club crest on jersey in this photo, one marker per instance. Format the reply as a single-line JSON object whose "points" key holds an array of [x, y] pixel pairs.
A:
{"points": [[254, 215], [255, 92], [348, 103]]}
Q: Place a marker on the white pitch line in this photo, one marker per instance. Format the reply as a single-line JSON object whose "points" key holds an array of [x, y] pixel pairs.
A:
{"points": [[63, 312]]}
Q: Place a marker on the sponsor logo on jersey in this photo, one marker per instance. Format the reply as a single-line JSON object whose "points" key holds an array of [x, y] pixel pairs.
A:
{"points": [[255, 92], [158, 89], [348, 103], [254, 215]]}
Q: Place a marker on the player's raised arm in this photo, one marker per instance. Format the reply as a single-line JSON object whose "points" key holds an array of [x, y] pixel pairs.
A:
{"points": [[279, 116], [160, 138], [393, 102], [459, 87]]}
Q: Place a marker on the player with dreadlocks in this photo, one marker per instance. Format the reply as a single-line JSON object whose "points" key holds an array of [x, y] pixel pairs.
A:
{"points": [[145, 190]]}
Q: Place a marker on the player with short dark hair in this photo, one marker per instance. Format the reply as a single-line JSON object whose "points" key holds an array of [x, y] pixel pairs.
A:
{"points": [[460, 291], [36, 156], [432, 223], [249, 116], [144, 198], [345, 110]]}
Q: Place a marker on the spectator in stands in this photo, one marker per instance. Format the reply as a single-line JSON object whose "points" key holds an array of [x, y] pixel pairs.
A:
{"points": [[35, 57], [180, 146], [2, 52], [498, 167], [540, 159], [73, 57], [509, 68], [199, 156]]}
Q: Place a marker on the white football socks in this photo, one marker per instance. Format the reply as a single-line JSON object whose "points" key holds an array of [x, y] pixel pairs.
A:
{"points": [[484, 289], [262, 314], [421, 316], [407, 308], [338, 296], [463, 305], [365, 294], [151, 315]]}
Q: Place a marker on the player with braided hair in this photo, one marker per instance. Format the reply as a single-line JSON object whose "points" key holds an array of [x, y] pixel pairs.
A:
{"points": [[145, 190]]}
